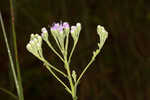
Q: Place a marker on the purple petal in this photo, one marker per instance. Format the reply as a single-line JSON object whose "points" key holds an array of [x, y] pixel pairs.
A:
{"points": [[59, 26], [65, 25]]}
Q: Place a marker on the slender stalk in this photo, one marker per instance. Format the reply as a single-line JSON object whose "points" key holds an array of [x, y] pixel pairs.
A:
{"points": [[91, 61], [57, 42], [58, 78], [55, 51], [9, 93], [66, 64], [54, 68], [10, 57], [69, 78], [66, 45], [72, 51], [21, 96]]}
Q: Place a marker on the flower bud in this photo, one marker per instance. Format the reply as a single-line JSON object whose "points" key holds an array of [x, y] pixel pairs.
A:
{"points": [[74, 76], [44, 34], [103, 34], [29, 47], [74, 32]]}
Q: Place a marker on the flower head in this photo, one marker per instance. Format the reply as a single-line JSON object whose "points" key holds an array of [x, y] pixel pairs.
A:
{"points": [[34, 45], [65, 25], [60, 27], [59, 32], [75, 31], [103, 34], [44, 34]]}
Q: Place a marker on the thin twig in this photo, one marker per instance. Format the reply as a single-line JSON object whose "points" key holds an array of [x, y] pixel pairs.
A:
{"points": [[9, 93], [10, 56], [21, 96], [58, 78], [72, 51]]}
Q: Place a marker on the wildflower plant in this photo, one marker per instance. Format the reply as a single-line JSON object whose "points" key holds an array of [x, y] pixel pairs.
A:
{"points": [[61, 33]]}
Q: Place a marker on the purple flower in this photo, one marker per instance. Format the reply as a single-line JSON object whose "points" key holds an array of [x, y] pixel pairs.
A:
{"points": [[60, 27], [65, 25], [55, 26]]}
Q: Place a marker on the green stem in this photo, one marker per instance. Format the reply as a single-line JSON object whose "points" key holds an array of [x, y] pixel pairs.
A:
{"points": [[66, 45], [21, 96], [91, 61], [55, 51], [73, 93], [9, 93], [75, 98], [66, 64], [72, 51], [54, 68], [70, 78], [10, 58], [58, 78], [57, 43], [44, 61]]}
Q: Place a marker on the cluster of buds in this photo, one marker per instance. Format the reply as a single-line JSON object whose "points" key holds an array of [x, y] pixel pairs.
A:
{"points": [[75, 31], [34, 46], [103, 34], [59, 31]]}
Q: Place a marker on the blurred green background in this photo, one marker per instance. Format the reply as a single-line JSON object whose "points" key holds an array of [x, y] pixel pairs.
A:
{"points": [[120, 72]]}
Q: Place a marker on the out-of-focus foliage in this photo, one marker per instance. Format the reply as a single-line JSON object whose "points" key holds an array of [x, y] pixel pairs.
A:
{"points": [[122, 70]]}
